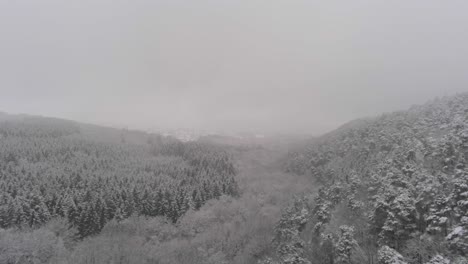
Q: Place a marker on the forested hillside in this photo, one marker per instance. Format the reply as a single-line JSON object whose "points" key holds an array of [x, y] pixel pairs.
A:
{"points": [[75, 193], [394, 190], [90, 175], [386, 190]]}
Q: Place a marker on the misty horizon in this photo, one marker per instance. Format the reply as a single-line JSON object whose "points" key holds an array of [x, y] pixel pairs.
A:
{"points": [[207, 131], [297, 67]]}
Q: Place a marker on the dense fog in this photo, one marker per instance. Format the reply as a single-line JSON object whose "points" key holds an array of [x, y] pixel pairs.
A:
{"points": [[257, 66]]}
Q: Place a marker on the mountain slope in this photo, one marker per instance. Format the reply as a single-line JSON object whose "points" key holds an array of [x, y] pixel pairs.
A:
{"points": [[359, 144], [395, 182]]}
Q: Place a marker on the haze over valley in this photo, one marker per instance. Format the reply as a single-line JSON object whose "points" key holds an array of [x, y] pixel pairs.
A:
{"points": [[233, 132]]}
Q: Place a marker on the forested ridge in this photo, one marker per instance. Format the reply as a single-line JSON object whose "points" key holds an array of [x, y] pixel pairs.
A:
{"points": [[90, 175], [391, 189], [394, 190]]}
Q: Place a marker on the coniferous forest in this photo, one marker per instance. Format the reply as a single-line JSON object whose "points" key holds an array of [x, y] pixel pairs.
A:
{"points": [[390, 189], [53, 168]]}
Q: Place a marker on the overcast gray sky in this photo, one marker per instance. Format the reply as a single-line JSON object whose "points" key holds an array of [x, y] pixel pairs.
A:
{"points": [[280, 66]]}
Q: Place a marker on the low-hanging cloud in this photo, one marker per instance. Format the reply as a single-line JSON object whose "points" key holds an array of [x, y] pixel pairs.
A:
{"points": [[279, 66]]}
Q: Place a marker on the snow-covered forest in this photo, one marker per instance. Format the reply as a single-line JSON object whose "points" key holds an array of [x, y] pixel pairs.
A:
{"points": [[385, 190], [89, 176], [394, 189]]}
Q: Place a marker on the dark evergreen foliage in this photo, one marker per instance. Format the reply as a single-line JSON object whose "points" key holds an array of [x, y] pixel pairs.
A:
{"points": [[89, 175]]}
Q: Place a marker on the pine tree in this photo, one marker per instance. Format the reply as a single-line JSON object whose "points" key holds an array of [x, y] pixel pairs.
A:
{"points": [[387, 255], [110, 208], [439, 215], [197, 200], [460, 194], [101, 213], [458, 238], [146, 204], [6, 212], [345, 246], [216, 191], [39, 214], [290, 247], [72, 212], [159, 203], [401, 220], [20, 212]]}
